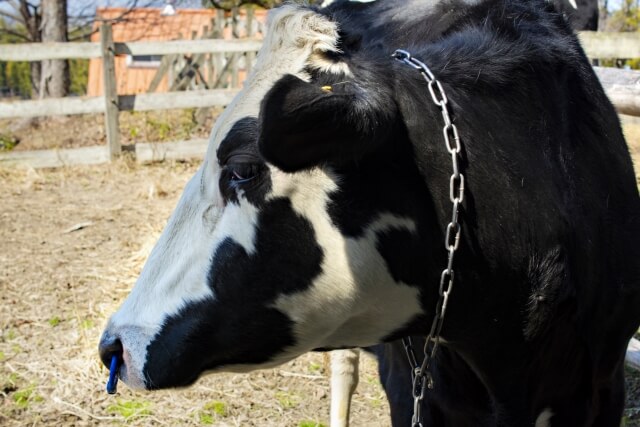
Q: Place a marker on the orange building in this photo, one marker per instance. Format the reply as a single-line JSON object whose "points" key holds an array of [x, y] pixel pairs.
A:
{"points": [[135, 73]]}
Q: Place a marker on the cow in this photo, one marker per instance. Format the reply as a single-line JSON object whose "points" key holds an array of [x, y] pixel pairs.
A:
{"points": [[317, 218], [344, 363]]}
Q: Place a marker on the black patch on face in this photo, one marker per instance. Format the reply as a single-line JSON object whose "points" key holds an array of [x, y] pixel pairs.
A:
{"points": [[243, 169], [238, 326]]}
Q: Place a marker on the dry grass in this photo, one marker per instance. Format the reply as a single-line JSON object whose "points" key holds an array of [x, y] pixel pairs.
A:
{"points": [[57, 289], [88, 129], [631, 129]]}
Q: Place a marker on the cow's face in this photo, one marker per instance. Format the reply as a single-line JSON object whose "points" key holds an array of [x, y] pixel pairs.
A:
{"points": [[292, 235]]}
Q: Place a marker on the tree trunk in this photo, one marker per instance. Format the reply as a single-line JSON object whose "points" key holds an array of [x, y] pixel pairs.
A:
{"points": [[32, 25], [54, 79]]}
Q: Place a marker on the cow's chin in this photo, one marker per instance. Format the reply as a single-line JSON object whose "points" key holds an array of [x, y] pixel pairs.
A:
{"points": [[131, 375], [165, 380]]}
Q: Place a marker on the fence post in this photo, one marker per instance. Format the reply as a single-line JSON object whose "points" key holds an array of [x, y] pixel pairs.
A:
{"points": [[235, 58], [218, 59], [249, 56], [111, 119]]}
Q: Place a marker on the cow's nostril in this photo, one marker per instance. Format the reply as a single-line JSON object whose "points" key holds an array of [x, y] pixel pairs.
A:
{"points": [[109, 346]]}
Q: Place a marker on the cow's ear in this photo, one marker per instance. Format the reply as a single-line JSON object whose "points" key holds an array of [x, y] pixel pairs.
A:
{"points": [[303, 124]]}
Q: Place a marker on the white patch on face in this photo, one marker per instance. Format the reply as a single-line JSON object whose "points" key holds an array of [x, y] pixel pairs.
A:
{"points": [[174, 275], [239, 224], [544, 419], [176, 272], [354, 301]]}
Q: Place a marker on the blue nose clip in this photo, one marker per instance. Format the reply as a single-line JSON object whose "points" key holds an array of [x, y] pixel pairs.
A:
{"points": [[112, 384]]}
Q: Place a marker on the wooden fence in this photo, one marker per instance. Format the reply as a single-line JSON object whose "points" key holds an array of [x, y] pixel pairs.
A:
{"points": [[110, 104], [622, 86]]}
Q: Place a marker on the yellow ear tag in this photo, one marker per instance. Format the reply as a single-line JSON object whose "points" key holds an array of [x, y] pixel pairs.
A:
{"points": [[326, 88]]}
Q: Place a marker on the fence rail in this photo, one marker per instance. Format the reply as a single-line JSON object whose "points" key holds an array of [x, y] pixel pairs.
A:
{"points": [[622, 87], [97, 104], [595, 44], [111, 104], [44, 51], [610, 45]]}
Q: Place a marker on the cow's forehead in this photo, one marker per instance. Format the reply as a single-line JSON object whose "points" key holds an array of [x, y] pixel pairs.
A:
{"points": [[294, 34]]}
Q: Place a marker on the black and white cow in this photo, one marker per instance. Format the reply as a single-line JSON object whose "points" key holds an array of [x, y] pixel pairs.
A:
{"points": [[317, 218]]}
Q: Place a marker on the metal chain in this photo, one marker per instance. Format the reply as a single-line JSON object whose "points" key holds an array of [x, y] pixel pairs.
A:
{"points": [[421, 373]]}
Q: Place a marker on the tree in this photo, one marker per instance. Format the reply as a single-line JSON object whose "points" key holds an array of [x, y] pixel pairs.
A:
{"points": [[27, 14], [54, 73], [627, 18], [35, 21]]}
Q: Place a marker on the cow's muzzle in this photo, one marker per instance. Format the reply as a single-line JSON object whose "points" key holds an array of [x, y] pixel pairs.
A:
{"points": [[129, 346]]}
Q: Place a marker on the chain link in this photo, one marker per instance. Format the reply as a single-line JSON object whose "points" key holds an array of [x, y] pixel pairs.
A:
{"points": [[420, 373]]}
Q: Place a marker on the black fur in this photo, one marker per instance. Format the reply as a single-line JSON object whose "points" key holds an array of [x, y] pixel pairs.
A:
{"points": [[584, 18], [547, 277], [547, 283]]}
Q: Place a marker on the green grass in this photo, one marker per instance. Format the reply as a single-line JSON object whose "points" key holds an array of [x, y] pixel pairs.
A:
{"points": [[87, 324], [8, 142], [218, 408], [205, 418], [22, 398], [287, 400], [10, 382], [307, 423], [315, 367], [212, 410], [130, 408], [54, 321]]}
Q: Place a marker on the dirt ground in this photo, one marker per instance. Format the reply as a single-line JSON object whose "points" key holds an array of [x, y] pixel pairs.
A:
{"points": [[72, 242], [88, 129], [58, 287]]}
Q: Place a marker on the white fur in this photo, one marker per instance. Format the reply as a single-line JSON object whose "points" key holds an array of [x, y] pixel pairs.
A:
{"points": [[238, 223], [544, 419], [320, 62], [344, 380], [174, 275]]}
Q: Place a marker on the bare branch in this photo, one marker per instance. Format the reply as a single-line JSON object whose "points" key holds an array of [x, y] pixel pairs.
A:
{"points": [[15, 34], [14, 4], [83, 36], [11, 16], [228, 5]]}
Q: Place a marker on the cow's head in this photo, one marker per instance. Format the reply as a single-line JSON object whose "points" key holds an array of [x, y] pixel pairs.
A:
{"points": [[300, 231]]}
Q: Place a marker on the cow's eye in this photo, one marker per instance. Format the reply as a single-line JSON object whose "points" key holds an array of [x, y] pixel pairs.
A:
{"points": [[240, 173]]}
